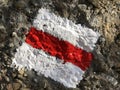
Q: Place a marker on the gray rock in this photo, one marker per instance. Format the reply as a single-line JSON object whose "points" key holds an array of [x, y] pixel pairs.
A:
{"points": [[20, 4], [16, 16], [3, 33], [4, 3]]}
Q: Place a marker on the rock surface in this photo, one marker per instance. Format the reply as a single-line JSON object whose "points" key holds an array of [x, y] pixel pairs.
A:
{"points": [[103, 16]]}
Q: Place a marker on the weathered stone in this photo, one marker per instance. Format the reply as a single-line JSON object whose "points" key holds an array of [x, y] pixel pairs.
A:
{"points": [[3, 33], [25, 89], [100, 15], [20, 4], [9, 87], [117, 40], [3, 3], [16, 86]]}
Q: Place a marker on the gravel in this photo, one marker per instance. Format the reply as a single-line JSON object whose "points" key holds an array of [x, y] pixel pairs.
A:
{"points": [[103, 16]]}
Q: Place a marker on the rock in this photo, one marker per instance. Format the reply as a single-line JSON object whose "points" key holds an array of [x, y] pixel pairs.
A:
{"points": [[14, 74], [9, 87], [25, 89], [22, 71], [118, 53], [96, 21], [117, 39], [82, 7], [11, 45], [14, 34], [100, 3], [36, 3], [0, 78], [7, 79], [3, 3], [3, 33], [16, 86], [35, 80], [20, 4], [16, 16], [110, 79]]}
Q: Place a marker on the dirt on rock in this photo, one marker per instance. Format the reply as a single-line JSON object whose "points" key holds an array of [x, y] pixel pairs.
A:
{"points": [[16, 16]]}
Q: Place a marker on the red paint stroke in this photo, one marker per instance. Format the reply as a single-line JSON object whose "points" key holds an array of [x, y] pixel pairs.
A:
{"points": [[59, 48]]}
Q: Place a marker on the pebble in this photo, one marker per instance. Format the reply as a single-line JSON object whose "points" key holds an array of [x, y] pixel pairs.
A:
{"points": [[110, 79], [35, 80], [101, 39], [0, 78], [14, 34], [9, 87], [20, 4], [3, 33], [36, 3], [25, 89], [16, 86], [14, 74], [11, 45], [82, 7], [3, 3], [22, 71], [118, 53], [118, 39], [7, 78]]}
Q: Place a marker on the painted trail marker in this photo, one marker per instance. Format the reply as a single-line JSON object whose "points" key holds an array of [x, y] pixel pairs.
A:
{"points": [[57, 48]]}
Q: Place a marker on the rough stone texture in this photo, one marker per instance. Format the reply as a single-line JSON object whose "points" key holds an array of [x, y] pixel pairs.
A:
{"points": [[103, 16]]}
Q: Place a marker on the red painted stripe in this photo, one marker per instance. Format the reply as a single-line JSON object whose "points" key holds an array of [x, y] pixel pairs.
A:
{"points": [[59, 48]]}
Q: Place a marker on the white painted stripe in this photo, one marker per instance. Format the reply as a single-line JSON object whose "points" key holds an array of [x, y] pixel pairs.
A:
{"points": [[31, 58], [82, 37]]}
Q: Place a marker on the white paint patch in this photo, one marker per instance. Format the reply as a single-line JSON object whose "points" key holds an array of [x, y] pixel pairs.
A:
{"points": [[49, 66], [67, 74], [82, 37]]}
